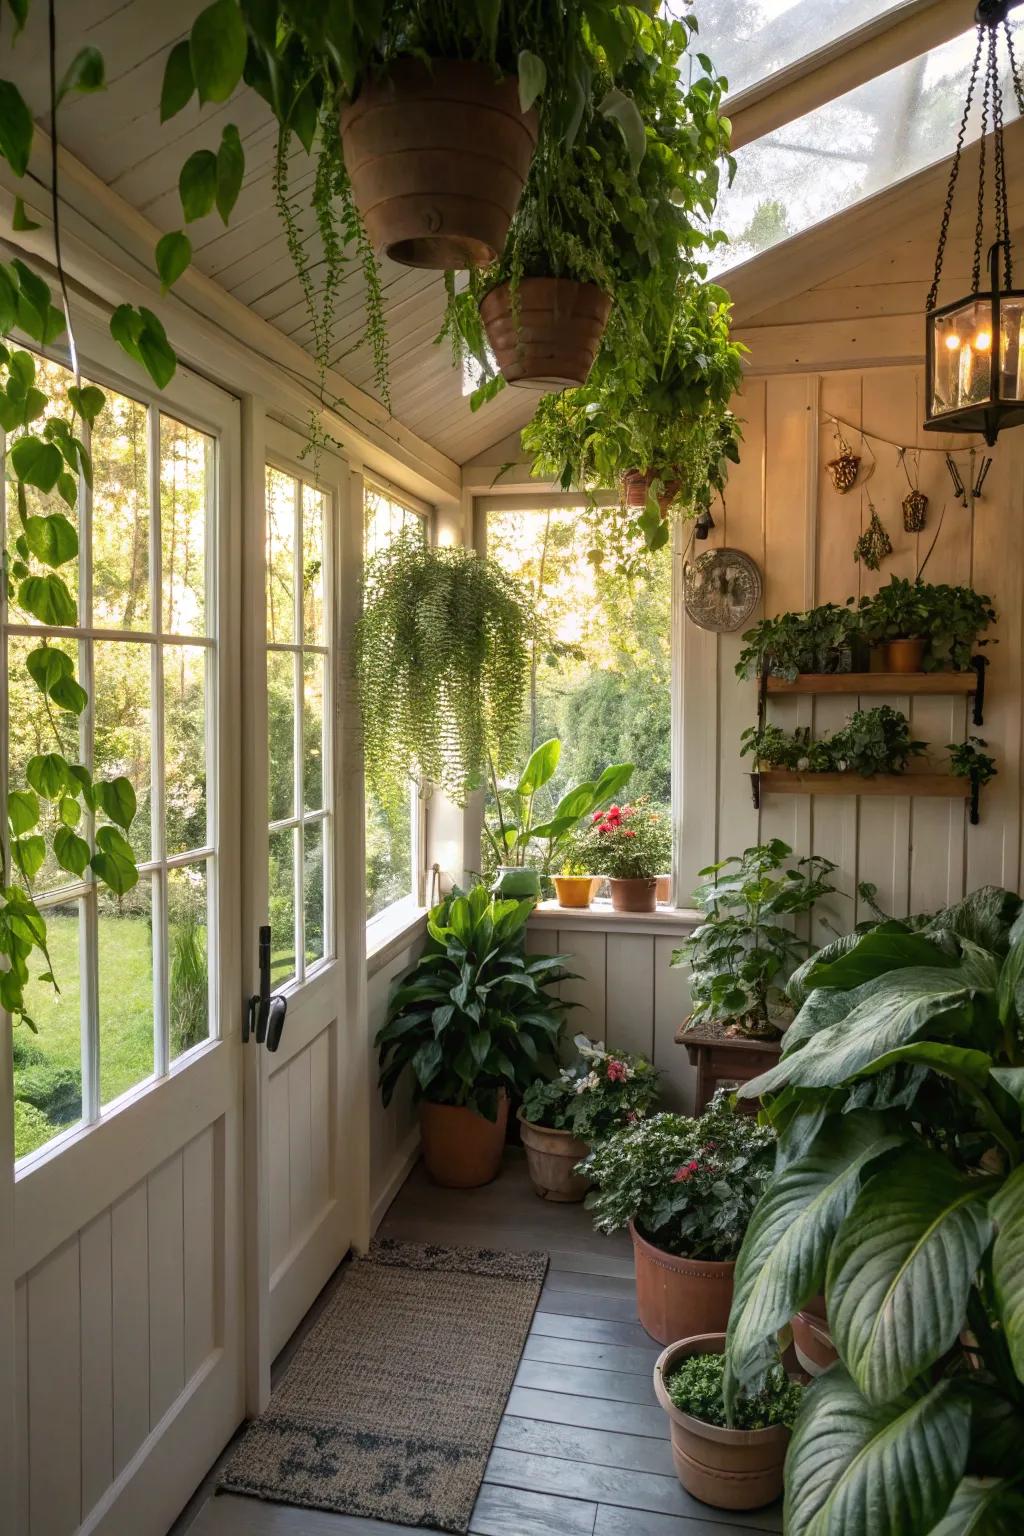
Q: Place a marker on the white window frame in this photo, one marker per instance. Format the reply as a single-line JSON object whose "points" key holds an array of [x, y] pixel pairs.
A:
{"points": [[194, 402]]}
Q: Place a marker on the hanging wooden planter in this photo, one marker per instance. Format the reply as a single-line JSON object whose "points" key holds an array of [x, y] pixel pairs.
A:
{"points": [[437, 156], [636, 485], [548, 332]]}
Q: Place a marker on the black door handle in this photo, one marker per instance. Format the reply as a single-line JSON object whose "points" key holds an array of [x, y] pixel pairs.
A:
{"points": [[265, 1014]]}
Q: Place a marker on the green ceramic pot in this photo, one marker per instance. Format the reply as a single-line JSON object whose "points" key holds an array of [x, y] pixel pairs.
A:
{"points": [[518, 884]]}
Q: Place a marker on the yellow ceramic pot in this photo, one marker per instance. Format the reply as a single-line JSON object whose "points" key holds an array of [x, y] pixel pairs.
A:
{"points": [[576, 890]]}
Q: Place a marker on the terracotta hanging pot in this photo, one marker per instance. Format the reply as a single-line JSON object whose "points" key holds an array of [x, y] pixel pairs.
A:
{"points": [[547, 332], [437, 155], [634, 895], [675, 1296], [636, 485], [726, 1468], [551, 1157], [461, 1149]]}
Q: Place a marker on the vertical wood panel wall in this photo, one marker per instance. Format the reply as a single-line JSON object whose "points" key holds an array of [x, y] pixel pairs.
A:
{"points": [[394, 1132], [783, 510]]}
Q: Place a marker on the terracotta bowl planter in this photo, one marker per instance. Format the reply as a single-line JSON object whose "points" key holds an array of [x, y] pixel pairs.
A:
{"points": [[677, 1298], [548, 335], [461, 1149], [576, 890], [904, 655], [437, 156], [812, 1340], [636, 484], [727, 1468], [634, 895], [551, 1157]]}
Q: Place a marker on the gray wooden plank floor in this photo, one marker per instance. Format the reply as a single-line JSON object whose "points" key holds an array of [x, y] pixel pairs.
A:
{"points": [[582, 1449]]}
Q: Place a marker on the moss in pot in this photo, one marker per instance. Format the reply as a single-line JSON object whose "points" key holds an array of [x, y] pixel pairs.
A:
{"points": [[685, 1187]]}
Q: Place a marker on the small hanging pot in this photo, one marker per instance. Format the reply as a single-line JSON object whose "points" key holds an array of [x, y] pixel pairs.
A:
{"points": [[915, 506], [547, 333], [636, 485]]}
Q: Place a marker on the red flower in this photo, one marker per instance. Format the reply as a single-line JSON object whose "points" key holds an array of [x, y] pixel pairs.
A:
{"points": [[628, 832], [692, 1167], [616, 1071], [597, 816], [681, 1175], [604, 827]]}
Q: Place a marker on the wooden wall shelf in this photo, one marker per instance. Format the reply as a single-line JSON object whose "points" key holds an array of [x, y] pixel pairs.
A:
{"points": [[885, 684], [932, 786]]}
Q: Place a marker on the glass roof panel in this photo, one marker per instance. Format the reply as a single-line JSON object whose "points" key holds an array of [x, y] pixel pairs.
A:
{"points": [[748, 40], [853, 147]]}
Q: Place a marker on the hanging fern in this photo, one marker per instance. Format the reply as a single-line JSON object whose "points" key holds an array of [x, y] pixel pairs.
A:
{"points": [[443, 661]]}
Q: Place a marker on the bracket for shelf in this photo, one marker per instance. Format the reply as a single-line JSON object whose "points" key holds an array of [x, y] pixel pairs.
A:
{"points": [[755, 790], [762, 695], [975, 800], [979, 663]]}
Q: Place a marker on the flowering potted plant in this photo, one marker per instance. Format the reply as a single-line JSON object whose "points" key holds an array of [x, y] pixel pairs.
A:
{"points": [[561, 1117], [686, 1188], [631, 844]]}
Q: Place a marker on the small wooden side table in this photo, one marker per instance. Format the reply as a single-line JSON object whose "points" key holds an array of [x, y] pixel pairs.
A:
{"points": [[724, 1059]]}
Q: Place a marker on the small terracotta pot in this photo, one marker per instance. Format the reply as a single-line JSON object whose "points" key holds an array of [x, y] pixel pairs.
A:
{"points": [[727, 1468], [675, 1296], [904, 655], [461, 1149], [634, 895], [812, 1340], [551, 1157], [548, 333], [637, 482], [576, 890], [437, 156], [664, 888]]}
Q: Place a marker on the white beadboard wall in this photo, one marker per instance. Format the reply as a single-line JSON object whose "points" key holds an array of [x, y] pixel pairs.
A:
{"points": [[394, 1132], [783, 510]]}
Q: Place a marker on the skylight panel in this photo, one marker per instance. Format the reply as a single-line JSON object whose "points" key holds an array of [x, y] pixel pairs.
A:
{"points": [[748, 40]]}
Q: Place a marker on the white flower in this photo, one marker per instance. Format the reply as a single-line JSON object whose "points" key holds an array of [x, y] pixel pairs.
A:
{"points": [[803, 764], [590, 1081]]}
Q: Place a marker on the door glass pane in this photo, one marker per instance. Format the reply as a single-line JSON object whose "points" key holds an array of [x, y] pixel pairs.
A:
{"points": [[313, 731], [281, 733], [34, 731], [126, 988], [282, 905], [187, 482], [185, 747], [313, 892], [281, 491], [48, 1065], [189, 957], [121, 515], [122, 694], [314, 504]]}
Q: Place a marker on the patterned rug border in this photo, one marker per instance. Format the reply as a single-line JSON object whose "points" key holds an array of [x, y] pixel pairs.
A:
{"points": [[494, 1263]]}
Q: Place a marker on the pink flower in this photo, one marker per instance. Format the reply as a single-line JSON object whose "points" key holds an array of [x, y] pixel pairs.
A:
{"points": [[617, 1072], [692, 1167], [628, 832], [631, 1117], [597, 816], [681, 1175]]}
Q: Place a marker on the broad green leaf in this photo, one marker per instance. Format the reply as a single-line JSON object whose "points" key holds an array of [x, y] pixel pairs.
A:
{"points": [[85, 74], [1012, 1079], [36, 462], [80, 783], [986, 917], [782, 1262], [70, 851], [67, 489], [623, 110], [533, 79], [173, 256], [1008, 1263], [970, 1068], [230, 171], [47, 598], [984, 1507], [47, 773], [114, 861], [70, 811], [1010, 990], [901, 1268], [541, 767], [217, 50], [615, 777], [856, 1470], [576, 803], [197, 184], [427, 1062], [87, 401], [69, 695], [141, 334], [22, 811], [29, 854], [874, 954], [178, 84], [557, 827], [52, 539], [15, 128]]}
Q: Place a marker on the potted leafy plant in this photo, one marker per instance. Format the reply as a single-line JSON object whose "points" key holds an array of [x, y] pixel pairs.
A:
{"points": [[872, 741], [685, 1188], [518, 829], [575, 885], [730, 1464], [828, 638], [899, 1190], [630, 844], [926, 627], [472, 1019], [969, 760], [561, 1117]]}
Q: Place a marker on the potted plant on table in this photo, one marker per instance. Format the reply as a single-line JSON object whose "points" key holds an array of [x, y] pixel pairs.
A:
{"points": [[685, 1188], [630, 844], [899, 1190], [732, 1462], [561, 1117], [472, 1020]]}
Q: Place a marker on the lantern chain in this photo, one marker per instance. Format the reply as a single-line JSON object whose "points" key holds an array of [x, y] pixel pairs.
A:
{"points": [[1001, 198], [955, 171], [979, 228]]}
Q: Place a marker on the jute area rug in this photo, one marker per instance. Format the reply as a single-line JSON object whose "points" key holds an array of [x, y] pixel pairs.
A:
{"points": [[391, 1404]]}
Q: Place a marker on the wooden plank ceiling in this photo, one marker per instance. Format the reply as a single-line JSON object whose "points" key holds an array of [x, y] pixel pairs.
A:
{"points": [[119, 137]]}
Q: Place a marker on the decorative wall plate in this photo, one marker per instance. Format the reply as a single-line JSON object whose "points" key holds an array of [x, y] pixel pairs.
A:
{"points": [[721, 589]]}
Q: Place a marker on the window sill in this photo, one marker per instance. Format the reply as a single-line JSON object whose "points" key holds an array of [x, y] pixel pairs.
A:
{"points": [[392, 931], [601, 915]]}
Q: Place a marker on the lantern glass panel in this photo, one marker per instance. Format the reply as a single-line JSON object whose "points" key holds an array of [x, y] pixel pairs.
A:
{"points": [[962, 357], [1011, 349]]}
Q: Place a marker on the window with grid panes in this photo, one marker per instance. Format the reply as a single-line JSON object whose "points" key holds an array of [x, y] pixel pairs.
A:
{"points": [[300, 791], [134, 973]]}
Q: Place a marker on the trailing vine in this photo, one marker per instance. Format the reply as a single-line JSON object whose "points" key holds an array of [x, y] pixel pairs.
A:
{"points": [[443, 661]]}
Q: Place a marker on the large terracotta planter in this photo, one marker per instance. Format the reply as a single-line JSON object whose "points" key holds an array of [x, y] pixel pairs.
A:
{"points": [[551, 1157], [727, 1468], [676, 1298], [437, 156], [461, 1149], [548, 332], [636, 484], [576, 890], [634, 895], [812, 1340], [904, 655]]}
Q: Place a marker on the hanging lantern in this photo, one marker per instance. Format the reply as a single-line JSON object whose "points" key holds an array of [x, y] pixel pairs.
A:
{"points": [[974, 347]]}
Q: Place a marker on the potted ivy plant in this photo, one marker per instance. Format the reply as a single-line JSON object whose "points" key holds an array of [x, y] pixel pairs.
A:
{"points": [[734, 1462], [630, 844], [926, 627], [471, 1020], [685, 1188], [561, 1117], [828, 638], [899, 1190], [872, 741]]}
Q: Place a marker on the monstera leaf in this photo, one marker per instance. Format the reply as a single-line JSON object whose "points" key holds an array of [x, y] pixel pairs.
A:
{"points": [[901, 1268], [857, 1470], [782, 1262], [982, 1507]]}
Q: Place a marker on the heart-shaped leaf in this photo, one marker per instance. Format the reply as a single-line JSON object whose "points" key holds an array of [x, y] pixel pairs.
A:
{"points": [[29, 854], [70, 851], [85, 73], [48, 599], [178, 84], [47, 773], [15, 128], [88, 401], [230, 171], [52, 539], [117, 798], [69, 695], [114, 861], [217, 50], [22, 811], [197, 184], [36, 462], [173, 255], [533, 78]]}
